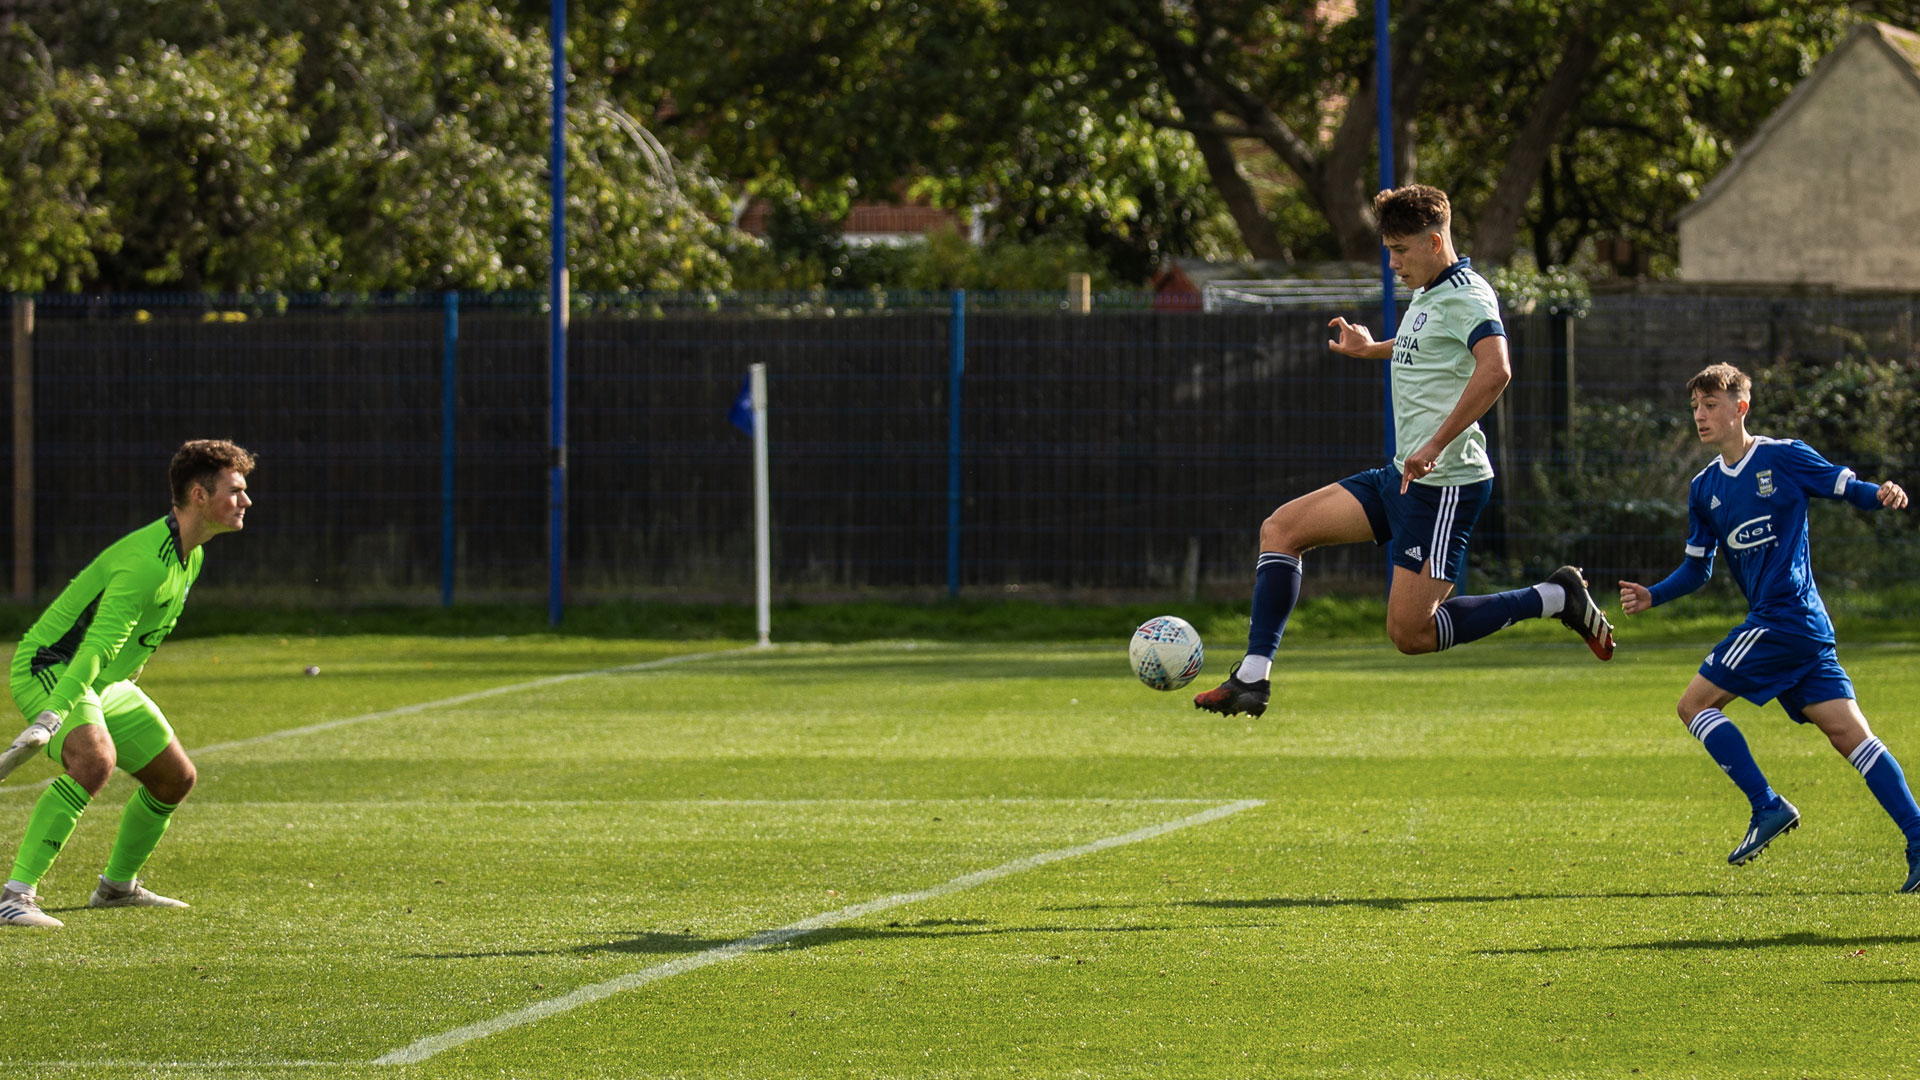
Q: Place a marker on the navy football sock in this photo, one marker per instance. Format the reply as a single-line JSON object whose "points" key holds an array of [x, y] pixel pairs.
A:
{"points": [[1276, 589], [1470, 618], [1729, 750], [1888, 782]]}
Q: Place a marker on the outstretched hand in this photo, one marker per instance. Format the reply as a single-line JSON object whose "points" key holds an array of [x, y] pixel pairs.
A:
{"points": [[1635, 598], [1353, 340]]}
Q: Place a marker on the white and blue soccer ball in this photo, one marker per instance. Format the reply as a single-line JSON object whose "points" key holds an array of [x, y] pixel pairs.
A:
{"points": [[1166, 652]]}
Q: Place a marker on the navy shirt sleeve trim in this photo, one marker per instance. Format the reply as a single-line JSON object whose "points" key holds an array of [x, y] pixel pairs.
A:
{"points": [[1488, 328]]}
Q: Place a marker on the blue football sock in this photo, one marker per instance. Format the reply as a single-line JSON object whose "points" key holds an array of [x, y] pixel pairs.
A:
{"points": [[1470, 618], [1888, 782], [1729, 750], [1276, 589]]}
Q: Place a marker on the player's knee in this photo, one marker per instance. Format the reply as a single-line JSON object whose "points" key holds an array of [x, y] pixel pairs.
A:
{"points": [[174, 789], [1412, 638], [88, 757], [1688, 709], [91, 770], [1276, 534]]}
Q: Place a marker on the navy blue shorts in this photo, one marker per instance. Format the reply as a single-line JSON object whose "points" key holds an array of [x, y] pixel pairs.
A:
{"points": [[1428, 526], [1761, 665]]}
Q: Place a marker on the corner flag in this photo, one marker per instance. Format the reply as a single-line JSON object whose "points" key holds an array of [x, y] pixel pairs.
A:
{"points": [[741, 415]]}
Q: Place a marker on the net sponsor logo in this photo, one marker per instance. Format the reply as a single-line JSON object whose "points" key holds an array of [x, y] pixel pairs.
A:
{"points": [[1751, 533]]}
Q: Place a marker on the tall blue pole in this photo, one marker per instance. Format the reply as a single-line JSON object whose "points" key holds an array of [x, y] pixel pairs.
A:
{"points": [[956, 368], [449, 402], [557, 328], [1389, 314]]}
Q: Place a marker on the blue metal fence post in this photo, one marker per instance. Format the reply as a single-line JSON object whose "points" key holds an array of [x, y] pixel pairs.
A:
{"points": [[449, 403], [956, 368]]}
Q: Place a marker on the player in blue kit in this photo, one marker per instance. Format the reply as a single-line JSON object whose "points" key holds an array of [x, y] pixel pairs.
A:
{"points": [[1450, 365], [1751, 502]]}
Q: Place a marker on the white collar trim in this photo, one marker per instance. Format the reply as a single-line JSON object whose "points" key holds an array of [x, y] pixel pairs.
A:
{"points": [[1734, 469]]}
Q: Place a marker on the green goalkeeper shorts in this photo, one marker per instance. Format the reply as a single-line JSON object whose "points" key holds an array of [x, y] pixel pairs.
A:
{"points": [[135, 724]]}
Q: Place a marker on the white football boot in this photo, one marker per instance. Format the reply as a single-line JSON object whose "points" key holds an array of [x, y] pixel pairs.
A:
{"points": [[30, 742], [134, 895], [23, 909]]}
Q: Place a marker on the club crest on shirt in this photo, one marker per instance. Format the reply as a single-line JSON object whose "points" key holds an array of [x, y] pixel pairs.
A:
{"points": [[1765, 476]]}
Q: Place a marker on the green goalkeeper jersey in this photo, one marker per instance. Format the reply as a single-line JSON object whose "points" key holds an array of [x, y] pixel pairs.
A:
{"points": [[112, 615], [1432, 361]]}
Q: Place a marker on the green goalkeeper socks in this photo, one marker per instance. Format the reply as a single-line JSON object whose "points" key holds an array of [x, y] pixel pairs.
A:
{"points": [[54, 817], [142, 824]]}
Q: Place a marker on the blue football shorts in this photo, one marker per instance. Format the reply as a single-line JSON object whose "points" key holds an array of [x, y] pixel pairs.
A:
{"points": [[1762, 665], [1428, 526]]}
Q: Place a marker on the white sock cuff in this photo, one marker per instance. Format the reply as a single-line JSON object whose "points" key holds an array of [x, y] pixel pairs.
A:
{"points": [[1254, 668], [1553, 599], [1705, 721], [1442, 629], [1271, 558], [1867, 755]]}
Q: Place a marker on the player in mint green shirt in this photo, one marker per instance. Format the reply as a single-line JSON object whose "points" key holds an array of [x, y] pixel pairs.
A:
{"points": [[1449, 365], [74, 672]]}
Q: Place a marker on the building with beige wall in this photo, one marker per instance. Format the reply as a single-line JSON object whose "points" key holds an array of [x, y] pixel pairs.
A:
{"points": [[1827, 192]]}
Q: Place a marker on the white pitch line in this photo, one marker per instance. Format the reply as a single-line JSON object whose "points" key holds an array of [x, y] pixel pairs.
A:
{"points": [[982, 801], [5, 1064], [458, 699], [434, 1044]]}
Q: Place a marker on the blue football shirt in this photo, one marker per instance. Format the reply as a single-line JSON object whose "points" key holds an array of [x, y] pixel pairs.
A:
{"points": [[1755, 510]]}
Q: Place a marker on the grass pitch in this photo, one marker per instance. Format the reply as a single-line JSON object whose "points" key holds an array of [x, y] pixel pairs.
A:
{"points": [[1502, 861]]}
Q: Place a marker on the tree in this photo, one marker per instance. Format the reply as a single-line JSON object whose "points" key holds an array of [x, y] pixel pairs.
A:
{"points": [[1499, 98], [342, 144], [818, 103]]}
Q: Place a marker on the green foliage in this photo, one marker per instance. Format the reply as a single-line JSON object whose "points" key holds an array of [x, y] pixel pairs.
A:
{"points": [[393, 144], [1523, 287], [199, 172], [387, 146], [50, 232]]}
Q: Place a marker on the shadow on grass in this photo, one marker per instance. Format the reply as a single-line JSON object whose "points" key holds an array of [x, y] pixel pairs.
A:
{"points": [[1399, 903], [1777, 941], [654, 943]]}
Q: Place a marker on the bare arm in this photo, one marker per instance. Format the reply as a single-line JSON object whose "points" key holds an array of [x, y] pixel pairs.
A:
{"points": [[1491, 372], [1635, 597], [1357, 340]]}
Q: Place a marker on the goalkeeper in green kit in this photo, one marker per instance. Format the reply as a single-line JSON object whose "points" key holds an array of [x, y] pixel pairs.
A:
{"points": [[74, 672]]}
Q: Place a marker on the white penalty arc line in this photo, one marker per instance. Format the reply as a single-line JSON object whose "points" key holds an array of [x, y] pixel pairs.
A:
{"points": [[434, 1044], [441, 703]]}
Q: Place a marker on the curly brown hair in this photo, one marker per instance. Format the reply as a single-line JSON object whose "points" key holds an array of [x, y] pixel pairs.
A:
{"points": [[200, 461], [1721, 379], [1412, 210]]}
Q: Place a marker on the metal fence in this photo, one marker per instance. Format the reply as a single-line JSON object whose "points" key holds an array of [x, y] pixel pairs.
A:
{"points": [[1129, 451]]}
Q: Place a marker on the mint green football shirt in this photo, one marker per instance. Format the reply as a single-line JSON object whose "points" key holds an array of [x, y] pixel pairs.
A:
{"points": [[1432, 361], [104, 625]]}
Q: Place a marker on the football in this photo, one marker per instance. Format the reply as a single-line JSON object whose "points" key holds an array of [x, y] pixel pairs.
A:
{"points": [[1166, 652]]}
